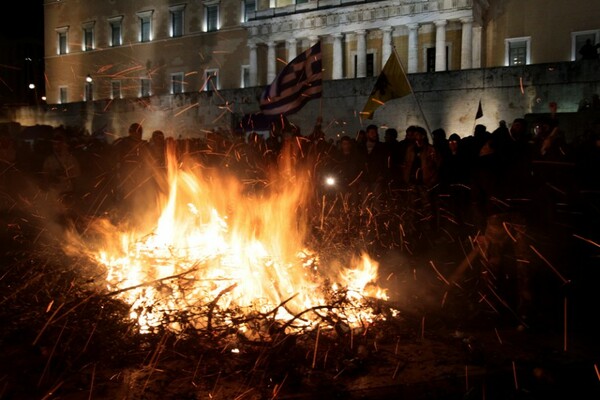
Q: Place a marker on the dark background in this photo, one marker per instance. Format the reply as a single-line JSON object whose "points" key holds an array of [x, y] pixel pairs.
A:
{"points": [[22, 53]]}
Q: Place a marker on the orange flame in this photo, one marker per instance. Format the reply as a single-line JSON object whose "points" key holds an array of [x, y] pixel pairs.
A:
{"points": [[216, 246]]}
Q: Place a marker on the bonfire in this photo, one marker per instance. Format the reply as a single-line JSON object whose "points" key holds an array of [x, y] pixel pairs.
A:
{"points": [[213, 256]]}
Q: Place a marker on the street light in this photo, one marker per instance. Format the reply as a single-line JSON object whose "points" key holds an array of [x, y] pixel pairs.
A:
{"points": [[89, 91]]}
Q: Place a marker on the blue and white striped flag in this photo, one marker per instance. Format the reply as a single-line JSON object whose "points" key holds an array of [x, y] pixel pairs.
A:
{"points": [[298, 82]]}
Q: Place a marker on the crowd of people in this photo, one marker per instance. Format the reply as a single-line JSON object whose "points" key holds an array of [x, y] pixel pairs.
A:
{"points": [[495, 186], [463, 178]]}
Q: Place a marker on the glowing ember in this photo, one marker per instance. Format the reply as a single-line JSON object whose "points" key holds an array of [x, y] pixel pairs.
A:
{"points": [[218, 256]]}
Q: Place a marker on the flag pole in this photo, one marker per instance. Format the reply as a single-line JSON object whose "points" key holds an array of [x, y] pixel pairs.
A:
{"points": [[411, 90], [477, 116], [321, 106]]}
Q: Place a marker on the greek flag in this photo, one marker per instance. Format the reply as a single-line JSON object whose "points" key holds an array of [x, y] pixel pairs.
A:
{"points": [[298, 82]]}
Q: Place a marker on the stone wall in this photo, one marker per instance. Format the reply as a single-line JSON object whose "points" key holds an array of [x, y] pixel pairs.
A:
{"points": [[444, 99]]}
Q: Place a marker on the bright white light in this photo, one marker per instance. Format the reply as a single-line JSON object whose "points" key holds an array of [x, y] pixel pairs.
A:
{"points": [[31, 86], [330, 181]]}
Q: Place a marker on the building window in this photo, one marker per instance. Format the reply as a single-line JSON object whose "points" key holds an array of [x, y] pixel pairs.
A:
{"points": [[145, 19], [145, 29], [211, 79], [430, 59], [248, 7], [88, 36], [301, 1], [116, 31], [62, 95], [245, 76], [88, 94], [145, 87], [176, 14], [115, 89], [370, 66], [517, 51], [177, 82], [62, 40], [578, 39], [211, 17]]}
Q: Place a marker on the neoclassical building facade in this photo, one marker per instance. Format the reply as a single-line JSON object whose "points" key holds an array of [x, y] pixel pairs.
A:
{"points": [[357, 38], [139, 48]]}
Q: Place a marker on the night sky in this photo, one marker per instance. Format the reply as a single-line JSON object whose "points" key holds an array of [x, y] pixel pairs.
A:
{"points": [[22, 52], [24, 20]]}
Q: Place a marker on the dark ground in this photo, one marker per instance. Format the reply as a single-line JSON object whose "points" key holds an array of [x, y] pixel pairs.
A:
{"points": [[61, 338]]}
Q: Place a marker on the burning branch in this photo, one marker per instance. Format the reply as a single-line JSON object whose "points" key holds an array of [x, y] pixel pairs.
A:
{"points": [[213, 304], [150, 283]]}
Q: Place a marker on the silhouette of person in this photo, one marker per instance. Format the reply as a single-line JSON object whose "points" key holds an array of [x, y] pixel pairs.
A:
{"points": [[157, 147], [62, 172], [376, 169], [61, 169], [133, 172], [589, 51]]}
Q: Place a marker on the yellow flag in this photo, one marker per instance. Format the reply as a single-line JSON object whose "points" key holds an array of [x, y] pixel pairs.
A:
{"points": [[392, 83]]}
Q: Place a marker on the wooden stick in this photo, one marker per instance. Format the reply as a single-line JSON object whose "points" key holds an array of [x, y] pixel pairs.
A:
{"points": [[113, 293], [314, 362]]}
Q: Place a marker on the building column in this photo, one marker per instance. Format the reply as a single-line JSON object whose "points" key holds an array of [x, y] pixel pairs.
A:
{"points": [[271, 70], [466, 49], [413, 48], [476, 52], [338, 63], [253, 65], [313, 40], [386, 47], [361, 53], [440, 45], [292, 49]]}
